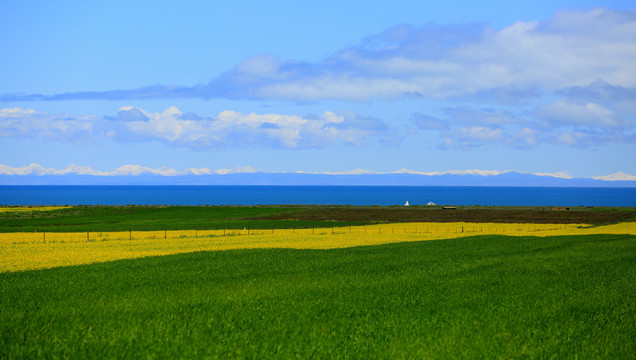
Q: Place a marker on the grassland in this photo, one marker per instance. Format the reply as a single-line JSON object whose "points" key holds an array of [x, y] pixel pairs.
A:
{"points": [[28, 209], [317, 282], [475, 297], [27, 251], [147, 218]]}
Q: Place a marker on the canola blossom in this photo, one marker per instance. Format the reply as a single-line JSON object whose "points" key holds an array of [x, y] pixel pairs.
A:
{"points": [[27, 251]]}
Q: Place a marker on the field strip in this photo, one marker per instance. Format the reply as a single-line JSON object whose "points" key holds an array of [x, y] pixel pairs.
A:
{"points": [[28, 251], [31, 208]]}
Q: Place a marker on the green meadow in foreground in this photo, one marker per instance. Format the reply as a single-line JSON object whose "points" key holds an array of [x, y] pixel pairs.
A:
{"points": [[480, 297]]}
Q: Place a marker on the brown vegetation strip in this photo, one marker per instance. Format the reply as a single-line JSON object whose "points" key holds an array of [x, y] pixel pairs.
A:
{"points": [[494, 215]]}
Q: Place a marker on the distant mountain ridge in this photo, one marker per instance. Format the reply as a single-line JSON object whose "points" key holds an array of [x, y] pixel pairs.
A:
{"points": [[367, 179]]}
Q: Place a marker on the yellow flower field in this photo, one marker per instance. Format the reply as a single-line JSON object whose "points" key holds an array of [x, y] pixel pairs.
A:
{"points": [[26, 251]]}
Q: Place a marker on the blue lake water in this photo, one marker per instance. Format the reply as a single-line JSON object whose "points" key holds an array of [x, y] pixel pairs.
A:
{"points": [[320, 195]]}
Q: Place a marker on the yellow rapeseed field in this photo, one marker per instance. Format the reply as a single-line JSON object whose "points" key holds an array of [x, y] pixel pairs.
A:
{"points": [[26, 251], [31, 208]]}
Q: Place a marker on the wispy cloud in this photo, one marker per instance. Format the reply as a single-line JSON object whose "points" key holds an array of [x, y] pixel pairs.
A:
{"points": [[571, 50], [229, 129], [463, 127], [564, 122], [588, 114], [18, 122], [571, 79]]}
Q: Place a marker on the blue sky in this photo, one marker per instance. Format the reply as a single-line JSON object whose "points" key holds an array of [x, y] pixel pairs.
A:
{"points": [[282, 86]]}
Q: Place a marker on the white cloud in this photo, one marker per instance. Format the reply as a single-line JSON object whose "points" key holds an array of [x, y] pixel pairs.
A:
{"points": [[125, 170], [572, 48], [236, 170], [468, 137], [202, 171], [469, 116], [15, 112], [589, 114], [234, 129], [351, 172], [413, 172], [23, 170], [617, 177], [229, 129], [523, 138], [458, 172], [573, 70], [18, 122], [586, 125], [480, 133], [560, 175]]}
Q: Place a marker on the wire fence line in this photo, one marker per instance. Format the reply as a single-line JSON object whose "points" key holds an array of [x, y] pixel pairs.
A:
{"points": [[382, 229]]}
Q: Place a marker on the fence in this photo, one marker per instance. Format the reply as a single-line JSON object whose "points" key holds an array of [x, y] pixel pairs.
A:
{"points": [[442, 229]]}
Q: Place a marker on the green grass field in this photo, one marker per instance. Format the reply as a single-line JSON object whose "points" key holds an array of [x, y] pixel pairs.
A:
{"points": [[142, 218], [480, 297], [146, 218]]}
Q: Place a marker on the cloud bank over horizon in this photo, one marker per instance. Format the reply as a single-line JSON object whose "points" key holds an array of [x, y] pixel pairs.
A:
{"points": [[229, 129], [460, 127]]}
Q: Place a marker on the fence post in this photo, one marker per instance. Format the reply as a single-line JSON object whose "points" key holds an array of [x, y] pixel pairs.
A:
{"points": [[87, 238], [44, 236], [165, 233], [129, 234]]}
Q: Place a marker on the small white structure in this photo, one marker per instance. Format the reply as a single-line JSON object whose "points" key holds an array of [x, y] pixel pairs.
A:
{"points": [[407, 203], [431, 203]]}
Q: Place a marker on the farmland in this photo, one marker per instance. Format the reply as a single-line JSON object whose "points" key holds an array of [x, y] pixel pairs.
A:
{"points": [[343, 282], [30, 250], [474, 297], [146, 218]]}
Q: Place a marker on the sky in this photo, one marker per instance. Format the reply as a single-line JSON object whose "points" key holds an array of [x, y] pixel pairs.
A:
{"points": [[543, 87]]}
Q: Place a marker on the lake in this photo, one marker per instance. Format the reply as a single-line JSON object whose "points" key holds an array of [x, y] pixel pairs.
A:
{"points": [[319, 195]]}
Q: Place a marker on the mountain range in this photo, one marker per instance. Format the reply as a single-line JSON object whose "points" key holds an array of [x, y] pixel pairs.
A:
{"points": [[509, 178]]}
